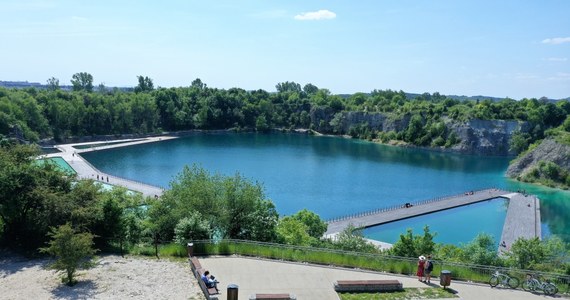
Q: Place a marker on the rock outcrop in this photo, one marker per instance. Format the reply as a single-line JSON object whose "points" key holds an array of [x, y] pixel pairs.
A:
{"points": [[481, 137], [486, 137], [549, 151]]}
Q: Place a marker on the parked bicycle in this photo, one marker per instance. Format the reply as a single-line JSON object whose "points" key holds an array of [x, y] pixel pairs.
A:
{"points": [[532, 283], [504, 280]]}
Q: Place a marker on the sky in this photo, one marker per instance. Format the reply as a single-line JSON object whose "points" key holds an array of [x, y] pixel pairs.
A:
{"points": [[494, 48]]}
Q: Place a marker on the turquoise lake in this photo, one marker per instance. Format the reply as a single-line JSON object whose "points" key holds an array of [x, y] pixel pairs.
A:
{"points": [[335, 176]]}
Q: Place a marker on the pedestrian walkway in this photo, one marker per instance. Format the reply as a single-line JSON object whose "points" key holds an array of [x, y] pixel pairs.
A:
{"points": [[85, 170], [312, 282]]}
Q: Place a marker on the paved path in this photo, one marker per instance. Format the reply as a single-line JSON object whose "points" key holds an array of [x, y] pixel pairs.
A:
{"points": [[421, 208], [87, 171], [522, 219], [316, 282]]}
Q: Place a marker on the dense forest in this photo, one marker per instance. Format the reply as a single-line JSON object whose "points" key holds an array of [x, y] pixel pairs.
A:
{"points": [[34, 114]]}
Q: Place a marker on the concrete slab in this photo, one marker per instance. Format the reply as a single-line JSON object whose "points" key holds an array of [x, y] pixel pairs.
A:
{"points": [[316, 282]]}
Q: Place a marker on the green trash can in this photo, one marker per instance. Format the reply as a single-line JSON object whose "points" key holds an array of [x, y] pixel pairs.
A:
{"points": [[445, 278]]}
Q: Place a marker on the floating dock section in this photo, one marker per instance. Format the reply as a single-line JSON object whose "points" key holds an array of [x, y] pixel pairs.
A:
{"points": [[522, 219]]}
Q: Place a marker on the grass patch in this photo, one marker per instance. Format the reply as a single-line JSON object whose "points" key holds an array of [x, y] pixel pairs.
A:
{"points": [[408, 293]]}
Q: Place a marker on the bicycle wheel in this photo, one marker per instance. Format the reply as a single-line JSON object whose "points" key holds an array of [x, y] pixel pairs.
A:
{"points": [[513, 282], [549, 289], [527, 285], [494, 281]]}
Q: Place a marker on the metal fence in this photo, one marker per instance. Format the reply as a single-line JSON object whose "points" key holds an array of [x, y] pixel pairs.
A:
{"points": [[364, 261], [400, 205]]}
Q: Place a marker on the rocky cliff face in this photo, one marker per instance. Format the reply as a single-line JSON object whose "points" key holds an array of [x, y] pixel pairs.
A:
{"points": [[486, 137], [482, 137], [549, 151]]}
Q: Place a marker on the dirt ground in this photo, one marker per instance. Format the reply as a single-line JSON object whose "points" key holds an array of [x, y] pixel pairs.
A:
{"points": [[113, 277]]}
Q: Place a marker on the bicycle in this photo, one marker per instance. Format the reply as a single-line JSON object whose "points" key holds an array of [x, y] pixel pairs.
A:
{"points": [[504, 280], [532, 284]]}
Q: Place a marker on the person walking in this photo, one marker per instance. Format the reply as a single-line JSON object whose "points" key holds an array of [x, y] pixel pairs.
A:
{"points": [[421, 267]]}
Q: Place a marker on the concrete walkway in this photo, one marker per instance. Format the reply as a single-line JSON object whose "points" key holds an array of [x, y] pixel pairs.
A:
{"points": [[400, 212], [316, 282], [522, 220], [87, 171]]}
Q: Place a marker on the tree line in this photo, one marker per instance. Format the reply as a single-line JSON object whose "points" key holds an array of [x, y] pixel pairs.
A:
{"points": [[33, 114]]}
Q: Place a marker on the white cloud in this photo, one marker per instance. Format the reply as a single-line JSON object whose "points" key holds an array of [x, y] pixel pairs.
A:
{"points": [[322, 14], [556, 41], [557, 59]]}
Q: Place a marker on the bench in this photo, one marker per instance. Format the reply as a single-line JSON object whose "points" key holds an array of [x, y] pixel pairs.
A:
{"points": [[367, 286], [195, 264], [197, 270], [272, 297]]}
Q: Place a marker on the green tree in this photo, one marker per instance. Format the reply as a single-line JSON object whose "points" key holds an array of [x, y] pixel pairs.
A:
{"points": [[53, 84], [192, 227], [482, 250], [233, 206], [261, 124], [316, 227], [526, 254], [352, 239], [32, 197], [292, 231], [519, 141], [410, 245], [566, 124], [72, 250], [82, 81], [145, 84]]}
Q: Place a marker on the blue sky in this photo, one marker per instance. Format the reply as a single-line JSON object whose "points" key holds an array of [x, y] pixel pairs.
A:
{"points": [[496, 48]]}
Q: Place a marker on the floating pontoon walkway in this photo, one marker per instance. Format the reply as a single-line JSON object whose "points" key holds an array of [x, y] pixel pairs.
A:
{"points": [[87, 171], [519, 222], [522, 220]]}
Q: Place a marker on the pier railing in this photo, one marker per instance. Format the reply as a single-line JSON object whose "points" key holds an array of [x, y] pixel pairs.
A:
{"points": [[399, 206], [363, 261], [119, 177]]}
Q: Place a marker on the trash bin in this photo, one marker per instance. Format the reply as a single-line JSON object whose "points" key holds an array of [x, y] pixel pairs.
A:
{"points": [[232, 292], [190, 247], [445, 278]]}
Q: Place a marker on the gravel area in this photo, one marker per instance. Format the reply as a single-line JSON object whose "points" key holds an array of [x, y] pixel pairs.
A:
{"points": [[113, 277]]}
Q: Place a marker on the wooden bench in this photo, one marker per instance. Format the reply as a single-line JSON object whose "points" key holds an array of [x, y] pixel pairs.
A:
{"points": [[272, 297], [356, 286], [197, 270], [195, 264]]}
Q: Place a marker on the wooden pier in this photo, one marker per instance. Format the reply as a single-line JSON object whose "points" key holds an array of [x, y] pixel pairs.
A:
{"points": [[519, 222]]}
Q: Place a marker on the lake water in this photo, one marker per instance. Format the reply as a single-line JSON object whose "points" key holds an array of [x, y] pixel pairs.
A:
{"points": [[335, 176]]}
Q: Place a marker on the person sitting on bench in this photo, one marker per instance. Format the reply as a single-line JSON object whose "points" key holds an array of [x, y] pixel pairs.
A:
{"points": [[210, 280]]}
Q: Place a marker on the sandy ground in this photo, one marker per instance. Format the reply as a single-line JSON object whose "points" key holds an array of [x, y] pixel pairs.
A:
{"points": [[113, 277]]}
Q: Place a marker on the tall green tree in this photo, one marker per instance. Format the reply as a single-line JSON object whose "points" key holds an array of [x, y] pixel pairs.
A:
{"points": [[82, 81], [410, 245], [145, 84], [72, 250], [53, 84], [316, 227], [32, 196]]}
